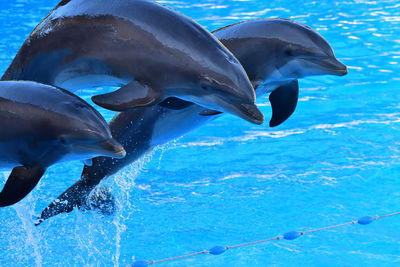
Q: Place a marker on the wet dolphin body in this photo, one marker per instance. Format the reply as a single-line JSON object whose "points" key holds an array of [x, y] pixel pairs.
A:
{"points": [[261, 46], [42, 125], [84, 44], [277, 52]]}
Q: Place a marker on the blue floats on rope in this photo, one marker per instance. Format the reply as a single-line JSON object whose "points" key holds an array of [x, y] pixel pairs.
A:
{"points": [[140, 263], [366, 220], [291, 235], [217, 250]]}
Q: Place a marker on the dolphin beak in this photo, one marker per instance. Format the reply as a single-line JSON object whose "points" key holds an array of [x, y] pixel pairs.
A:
{"points": [[335, 67], [111, 148], [250, 113]]}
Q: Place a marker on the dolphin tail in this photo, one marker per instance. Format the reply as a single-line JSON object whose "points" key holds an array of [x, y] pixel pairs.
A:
{"points": [[20, 183], [283, 101], [79, 194], [130, 96], [74, 196]]}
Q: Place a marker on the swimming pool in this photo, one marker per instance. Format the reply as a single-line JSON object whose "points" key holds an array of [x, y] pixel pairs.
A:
{"points": [[335, 159]]}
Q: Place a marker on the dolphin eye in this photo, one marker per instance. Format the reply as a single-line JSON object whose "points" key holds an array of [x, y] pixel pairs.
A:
{"points": [[62, 140], [204, 87], [288, 52]]}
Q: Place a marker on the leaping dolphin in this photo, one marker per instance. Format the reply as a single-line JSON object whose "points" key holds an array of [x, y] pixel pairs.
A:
{"points": [[42, 125], [83, 44], [275, 52], [285, 51]]}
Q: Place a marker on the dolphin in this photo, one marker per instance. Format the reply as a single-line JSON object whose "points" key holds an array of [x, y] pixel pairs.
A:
{"points": [[42, 125], [285, 51], [275, 52], [82, 44]]}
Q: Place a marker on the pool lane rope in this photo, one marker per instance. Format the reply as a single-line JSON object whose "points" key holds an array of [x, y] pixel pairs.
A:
{"points": [[217, 250]]}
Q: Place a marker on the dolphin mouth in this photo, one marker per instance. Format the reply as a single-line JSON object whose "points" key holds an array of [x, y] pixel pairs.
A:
{"points": [[250, 113], [111, 148], [333, 66]]}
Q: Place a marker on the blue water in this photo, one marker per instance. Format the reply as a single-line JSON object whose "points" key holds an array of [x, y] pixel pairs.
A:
{"points": [[336, 159]]}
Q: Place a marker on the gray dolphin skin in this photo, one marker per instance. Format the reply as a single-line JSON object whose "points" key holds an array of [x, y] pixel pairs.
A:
{"points": [[265, 48], [82, 44], [277, 52], [42, 125]]}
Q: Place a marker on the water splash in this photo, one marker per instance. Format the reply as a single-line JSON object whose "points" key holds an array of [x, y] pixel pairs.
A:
{"points": [[123, 183], [24, 212]]}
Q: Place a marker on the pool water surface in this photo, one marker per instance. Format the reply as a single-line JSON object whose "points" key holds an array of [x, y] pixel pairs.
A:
{"points": [[335, 159]]}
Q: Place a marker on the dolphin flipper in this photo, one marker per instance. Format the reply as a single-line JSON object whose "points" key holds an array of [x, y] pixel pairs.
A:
{"points": [[20, 183], [283, 101], [130, 96]]}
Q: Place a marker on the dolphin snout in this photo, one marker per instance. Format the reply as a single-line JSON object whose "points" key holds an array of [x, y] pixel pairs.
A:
{"points": [[336, 67], [250, 113], [343, 72], [112, 148]]}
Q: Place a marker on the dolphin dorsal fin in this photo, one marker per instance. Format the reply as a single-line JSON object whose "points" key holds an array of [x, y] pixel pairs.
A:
{"points": [[130, 96], [283, 101], [20, 183]]}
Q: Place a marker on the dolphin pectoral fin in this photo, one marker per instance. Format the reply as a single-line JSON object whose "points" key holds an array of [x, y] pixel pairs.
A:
{"points": [[128, 97], [175, 103], [209, 112], [283, 101], [20, 183]]}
